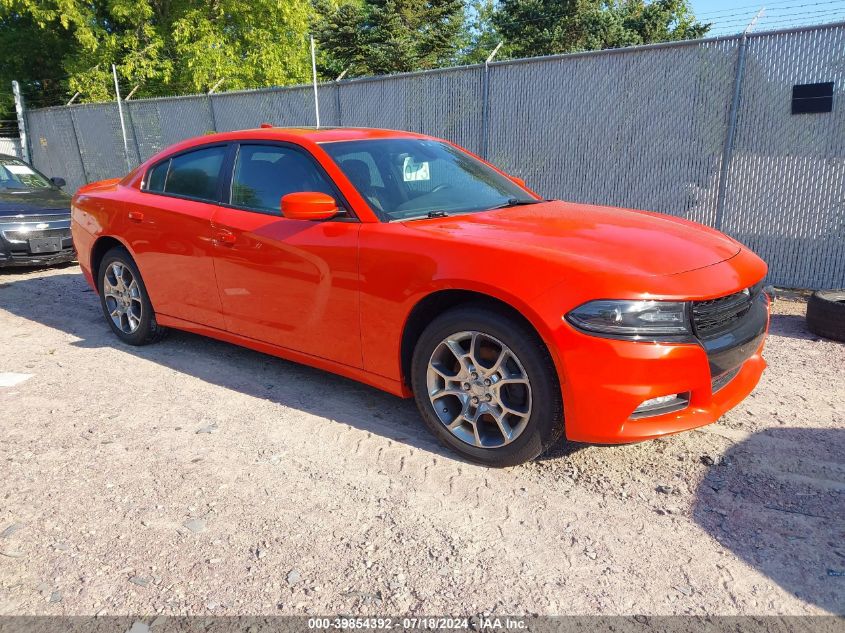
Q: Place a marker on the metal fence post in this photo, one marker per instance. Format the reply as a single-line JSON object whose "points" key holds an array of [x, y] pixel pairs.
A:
{"points": [[485, 92], [211, 112], [337, 103], [78, 146], [727, 152], [19, 110], [485, 101], [134, 131]]}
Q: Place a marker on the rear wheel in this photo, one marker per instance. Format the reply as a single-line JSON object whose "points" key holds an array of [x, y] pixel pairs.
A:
{"points": [[486, 387], [124, 299]]}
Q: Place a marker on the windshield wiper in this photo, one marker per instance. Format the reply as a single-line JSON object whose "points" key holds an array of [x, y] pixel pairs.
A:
{"points": [[514, 202], [437, 214]]}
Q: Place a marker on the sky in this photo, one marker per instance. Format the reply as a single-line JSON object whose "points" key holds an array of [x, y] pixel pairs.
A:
{"points": [[732, 16]]}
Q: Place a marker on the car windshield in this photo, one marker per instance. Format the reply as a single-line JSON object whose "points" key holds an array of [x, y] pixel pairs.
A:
{"points": [[404, 179], [16, 175]]}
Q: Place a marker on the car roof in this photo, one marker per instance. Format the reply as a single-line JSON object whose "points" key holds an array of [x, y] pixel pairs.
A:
{"points": [[330, 134], [312, 134]]}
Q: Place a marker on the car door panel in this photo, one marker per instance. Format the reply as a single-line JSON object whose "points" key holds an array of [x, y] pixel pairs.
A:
{"points": [[171, 240], [290, 283]]}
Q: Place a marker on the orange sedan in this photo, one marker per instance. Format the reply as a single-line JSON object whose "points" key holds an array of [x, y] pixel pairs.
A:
{"points": [[409, 264]]}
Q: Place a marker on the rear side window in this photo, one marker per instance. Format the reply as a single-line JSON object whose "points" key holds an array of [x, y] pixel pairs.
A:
{"points": [[158, 174], [193, 174]]}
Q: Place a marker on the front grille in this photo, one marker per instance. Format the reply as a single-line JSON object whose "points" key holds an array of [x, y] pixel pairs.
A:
{"points": [[24, 236], [63, 216], [722, 380], [716, 316]]}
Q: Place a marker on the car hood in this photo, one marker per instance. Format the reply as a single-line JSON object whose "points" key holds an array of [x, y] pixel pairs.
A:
{"points": [[33, 202], [607, 238]]}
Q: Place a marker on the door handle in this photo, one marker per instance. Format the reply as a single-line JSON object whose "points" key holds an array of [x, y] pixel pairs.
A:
{"points": [[136, 216], [225, 238]]}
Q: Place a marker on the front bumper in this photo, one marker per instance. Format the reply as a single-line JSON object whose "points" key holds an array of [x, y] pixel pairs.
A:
{"points": [[17, 235], [605, 380]]}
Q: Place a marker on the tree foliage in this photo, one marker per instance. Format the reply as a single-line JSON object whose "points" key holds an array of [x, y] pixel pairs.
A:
{"points": [[28, 52], [545, 27], [389, 36], [167, 46], [58, 47], [480, 35]]}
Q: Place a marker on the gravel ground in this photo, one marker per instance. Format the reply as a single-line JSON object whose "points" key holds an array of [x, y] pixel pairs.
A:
{"points": [[195, 477]]}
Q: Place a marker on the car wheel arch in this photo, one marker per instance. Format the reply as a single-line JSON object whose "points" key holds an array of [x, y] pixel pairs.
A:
{"points": [[101, 246], [439, 301]]}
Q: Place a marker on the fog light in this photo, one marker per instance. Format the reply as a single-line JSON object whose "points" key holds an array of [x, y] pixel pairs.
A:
{"points": [[661, 405]]}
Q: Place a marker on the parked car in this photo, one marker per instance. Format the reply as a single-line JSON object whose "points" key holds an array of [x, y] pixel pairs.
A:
{"points": [[409, 264], [34, 216]]}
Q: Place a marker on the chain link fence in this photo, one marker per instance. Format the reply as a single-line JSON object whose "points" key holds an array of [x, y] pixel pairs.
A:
{"points": [[701, 130]]}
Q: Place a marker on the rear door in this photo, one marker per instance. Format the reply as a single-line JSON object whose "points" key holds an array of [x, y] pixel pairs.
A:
{"points": [[292, 283], [169, 230]]}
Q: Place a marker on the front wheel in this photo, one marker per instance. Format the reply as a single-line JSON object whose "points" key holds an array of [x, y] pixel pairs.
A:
{"points": [[486, 386], [124, 299]]}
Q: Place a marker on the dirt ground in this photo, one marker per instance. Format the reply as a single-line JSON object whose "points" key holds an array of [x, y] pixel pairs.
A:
{"points": [[193, 476]]}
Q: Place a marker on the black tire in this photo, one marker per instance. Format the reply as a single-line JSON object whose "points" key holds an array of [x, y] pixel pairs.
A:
{"points": [[148, 330], [545, 422], [826, 314]]}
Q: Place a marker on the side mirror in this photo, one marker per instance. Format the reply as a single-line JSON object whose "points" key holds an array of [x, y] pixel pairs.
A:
{"points": [[58, 181], [308, 205], [518, 181]]}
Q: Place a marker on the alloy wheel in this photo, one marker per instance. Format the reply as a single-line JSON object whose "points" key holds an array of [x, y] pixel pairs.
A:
{"points": [[479, 389], [123, 297]]}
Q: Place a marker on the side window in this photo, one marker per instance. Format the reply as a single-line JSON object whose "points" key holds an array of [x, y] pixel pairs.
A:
{"points": [[265, 173], [194, 174], [157, 176]]}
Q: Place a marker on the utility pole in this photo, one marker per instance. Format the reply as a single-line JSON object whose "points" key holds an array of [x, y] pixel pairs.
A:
{"points": [[314, 76], [120, 113], [19, 110]]}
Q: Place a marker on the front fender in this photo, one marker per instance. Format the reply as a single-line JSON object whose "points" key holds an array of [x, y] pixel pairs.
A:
{"points": [[399, 269]]}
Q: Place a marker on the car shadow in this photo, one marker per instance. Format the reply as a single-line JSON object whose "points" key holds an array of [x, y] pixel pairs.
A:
{"points": [[64, 301], [777, 501]]}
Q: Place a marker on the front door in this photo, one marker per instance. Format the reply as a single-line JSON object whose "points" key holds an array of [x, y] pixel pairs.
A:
{"points": [[292, 283]]}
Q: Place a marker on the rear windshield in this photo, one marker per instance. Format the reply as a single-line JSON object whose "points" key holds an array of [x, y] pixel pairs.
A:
{"points": [[410, 178], [17, 175]]}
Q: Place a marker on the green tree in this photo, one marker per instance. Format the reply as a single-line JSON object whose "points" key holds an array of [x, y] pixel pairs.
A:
{"points": [[546, 27], [479, 36], [388, 36], [166, 46], [27, 52]]}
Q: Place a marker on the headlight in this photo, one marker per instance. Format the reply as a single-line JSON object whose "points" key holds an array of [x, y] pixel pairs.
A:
{"points": [[649, 320]]}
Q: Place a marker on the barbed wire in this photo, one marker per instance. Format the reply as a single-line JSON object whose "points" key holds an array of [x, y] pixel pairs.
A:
{"points": [[763, 3], [775, 14], [776, 22]]}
